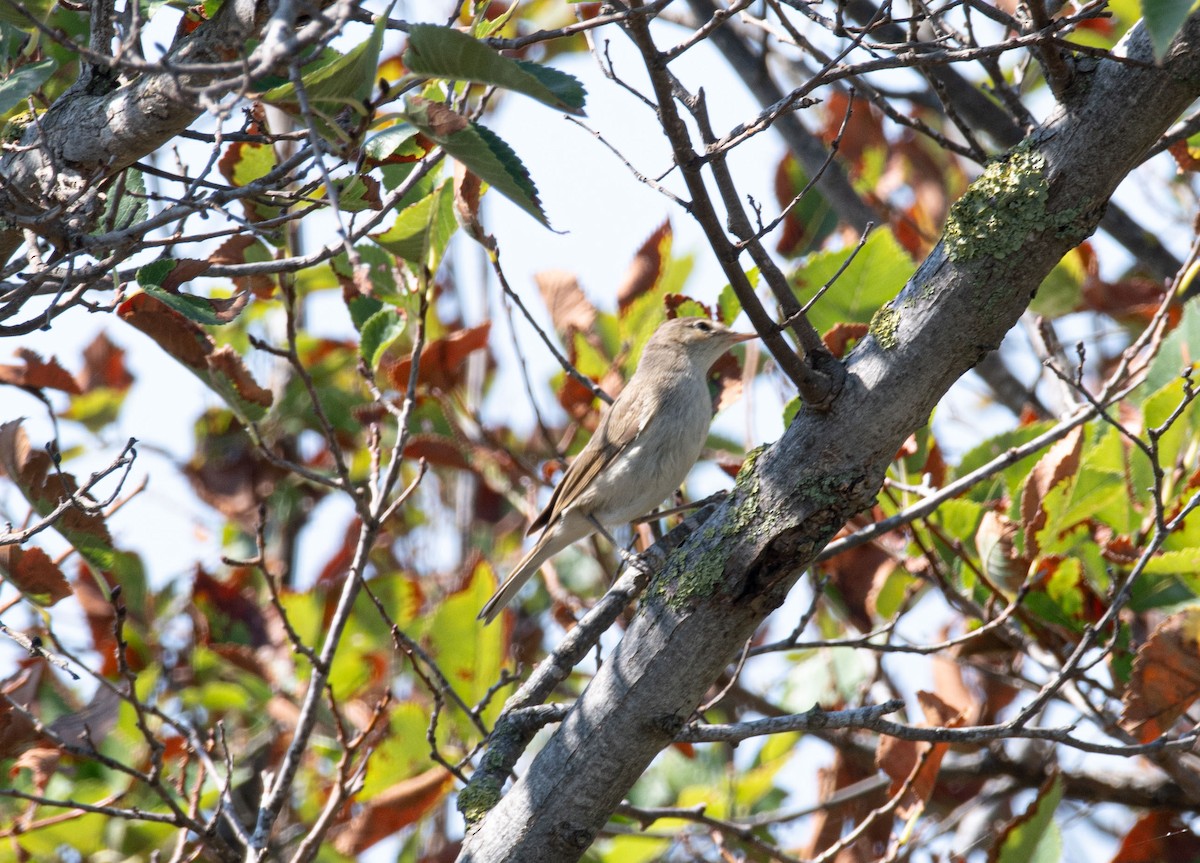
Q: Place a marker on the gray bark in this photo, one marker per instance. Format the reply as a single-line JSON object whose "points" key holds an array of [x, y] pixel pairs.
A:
{"points": [[722, 582]]}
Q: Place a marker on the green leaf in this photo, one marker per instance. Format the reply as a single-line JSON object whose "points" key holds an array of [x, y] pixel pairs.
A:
{"points": [[1033, 837], [480, 151], [1013, 475], [394, 142], [1179, 350], [125, 204], [347, 81], [151, 278], [791, 409], [811, 220], [1061, 291], [728, 304], [421, 232], [442, 52], [1184, 560], [468, 653], [876, 275], [24, 82], [379, 333], [1164, 19], [12, 13]]}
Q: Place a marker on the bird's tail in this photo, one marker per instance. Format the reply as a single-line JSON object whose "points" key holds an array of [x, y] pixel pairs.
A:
{"points": [[552, 540]]}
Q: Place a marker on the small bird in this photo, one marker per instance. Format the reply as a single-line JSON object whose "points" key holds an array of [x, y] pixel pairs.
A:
{"points": [[642, 450]]}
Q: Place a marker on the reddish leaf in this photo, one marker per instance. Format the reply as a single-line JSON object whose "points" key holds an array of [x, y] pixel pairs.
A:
{"points": [[1186, 158], [441, 359], [855, 573], [32, 572], [935, 464], [1158, 836], [647, 266], [175, 334], [570, 309], [683, 306], [37, 373], [1132, 299], [104, 366], [841, 337], [1059, 463], [1166, 677], [100, 616], [829, 823], [864, 129], [437, 450], [576, 399], [382, 816], [221, 368]]}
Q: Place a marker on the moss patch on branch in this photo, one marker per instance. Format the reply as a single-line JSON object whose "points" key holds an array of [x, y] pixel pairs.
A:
{"points": [[1001, 209]]}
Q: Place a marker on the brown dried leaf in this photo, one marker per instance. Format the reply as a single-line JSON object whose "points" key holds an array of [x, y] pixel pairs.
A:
{"points": [[37, 373], [647, 265], [226, 362], [915, 764], [725, 382], [467, 192], [34, 474], [228, 608], [570, 309], [17, 731], [100, 616], [442, 121], [830, 823], [32, 572], [1060, 462], [42, 764], [171, 331], [864, 129], [855, 573], [1166, 677], [382, 816], [996, 541]]}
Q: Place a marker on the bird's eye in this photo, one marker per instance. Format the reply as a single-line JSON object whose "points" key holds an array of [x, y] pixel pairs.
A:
{"points": [[703, 326]]}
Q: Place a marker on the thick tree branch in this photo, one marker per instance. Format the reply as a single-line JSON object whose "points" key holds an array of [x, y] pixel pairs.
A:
{"points": [[721, 584], [49, 181]]}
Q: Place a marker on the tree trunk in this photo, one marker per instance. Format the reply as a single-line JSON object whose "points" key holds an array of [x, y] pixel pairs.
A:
{"points": [[718, 587]]}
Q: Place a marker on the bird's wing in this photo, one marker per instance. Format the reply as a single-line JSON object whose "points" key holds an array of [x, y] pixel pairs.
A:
{"points": [[619, 427]]}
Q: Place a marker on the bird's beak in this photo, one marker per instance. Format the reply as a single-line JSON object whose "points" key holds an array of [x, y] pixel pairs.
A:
{"points": [[738, 338]]}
